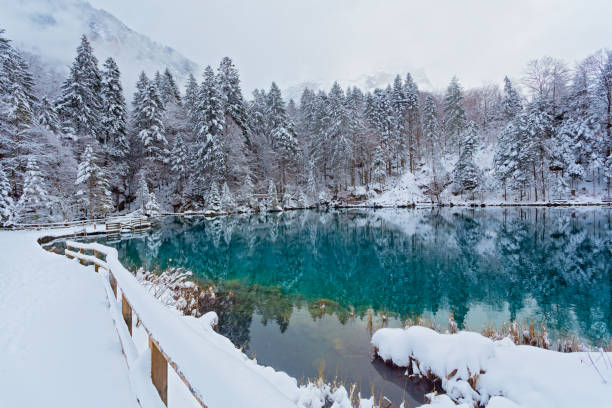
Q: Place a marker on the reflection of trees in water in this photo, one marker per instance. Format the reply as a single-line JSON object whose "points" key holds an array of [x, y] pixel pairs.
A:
{"points": [[408, 262]]}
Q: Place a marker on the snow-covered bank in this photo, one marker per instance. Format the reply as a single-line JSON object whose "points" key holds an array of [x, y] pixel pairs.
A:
{"points": [[474, 369], [58, 313], [58, 344]]}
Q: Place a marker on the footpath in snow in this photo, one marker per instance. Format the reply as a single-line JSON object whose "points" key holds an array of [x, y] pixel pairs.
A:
{"points": [[58, 343]]}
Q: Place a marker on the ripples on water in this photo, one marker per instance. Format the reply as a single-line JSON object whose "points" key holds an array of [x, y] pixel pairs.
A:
{"points": [[304, 282]]}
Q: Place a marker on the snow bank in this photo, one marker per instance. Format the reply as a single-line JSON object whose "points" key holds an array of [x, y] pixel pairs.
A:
{"points": [[400, 192], [473, 368]]}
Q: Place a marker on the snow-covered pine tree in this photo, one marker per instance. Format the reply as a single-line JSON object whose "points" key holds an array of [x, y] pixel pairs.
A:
{"points": [[15, 70], [95, 193], [210, 161], [80, 103], [338, 137], [179, 161], [47, 116], [19, 113], [431, 133], [169, 90], [272, 203], [378, 166], [312, 192], [114, 114], [228, 204], [398, 102], [151, 207], [411, 92], [246, 193], [281, 132], [150, 126], [190, 101], [213, 199], [6, 201], [466, 175], [511, 102], [143, 191], [454, 112], [141, 88], [35, 202], [234, 107]]}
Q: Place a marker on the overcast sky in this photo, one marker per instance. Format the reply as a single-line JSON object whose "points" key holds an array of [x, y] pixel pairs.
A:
{"points": [[294, 41]]}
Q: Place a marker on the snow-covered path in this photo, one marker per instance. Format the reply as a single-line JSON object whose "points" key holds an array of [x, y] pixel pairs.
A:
{"points": [[58, 343]]}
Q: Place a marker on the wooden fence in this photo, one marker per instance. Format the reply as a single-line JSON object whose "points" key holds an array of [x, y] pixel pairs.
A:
{"points": [[89, 254]]}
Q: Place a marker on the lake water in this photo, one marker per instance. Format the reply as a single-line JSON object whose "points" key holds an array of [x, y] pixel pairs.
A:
{"points": [[309, 287]]}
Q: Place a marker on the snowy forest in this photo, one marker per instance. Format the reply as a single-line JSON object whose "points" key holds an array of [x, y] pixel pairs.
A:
{"points": [[83, 151]]}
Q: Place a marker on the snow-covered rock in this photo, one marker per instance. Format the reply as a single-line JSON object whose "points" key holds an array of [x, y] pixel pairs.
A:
{"points": [[475, 369]]}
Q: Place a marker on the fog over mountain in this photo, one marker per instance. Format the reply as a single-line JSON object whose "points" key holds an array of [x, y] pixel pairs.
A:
{"points": [[50, 30]]}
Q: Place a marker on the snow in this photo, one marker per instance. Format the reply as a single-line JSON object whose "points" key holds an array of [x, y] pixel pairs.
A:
{"points": [[62, 329], [403, 191], [58, 344], [523, 375]]}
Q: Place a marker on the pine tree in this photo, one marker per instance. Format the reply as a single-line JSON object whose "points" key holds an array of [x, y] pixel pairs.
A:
{"points": [[246, 193], [511, 102], [80, 103], [6, 201], [143, 191], [280, 131], [213, 200], [398, 100], [150, 126], [192, 91], [47, 116], [96, 195], [378, 166], [179, 160], [210, 160], [141, 88], [35, 201], [19, 113], [454, 112], [411, 91], [339, 131], [227, 199], [169, 90], [151, 207], [466, 174], [114, 113], [228, 81], [272, 199], [431, 133]]}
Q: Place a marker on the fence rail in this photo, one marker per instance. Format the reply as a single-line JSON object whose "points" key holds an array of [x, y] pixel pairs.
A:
{"points": [[194, 358], [159, 359]]}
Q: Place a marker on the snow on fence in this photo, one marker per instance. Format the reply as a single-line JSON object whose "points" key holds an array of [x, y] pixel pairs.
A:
{"points": [[195, 359]]}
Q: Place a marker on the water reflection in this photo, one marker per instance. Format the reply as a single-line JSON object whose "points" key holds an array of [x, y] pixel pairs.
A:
{"points": [[307, 280]]}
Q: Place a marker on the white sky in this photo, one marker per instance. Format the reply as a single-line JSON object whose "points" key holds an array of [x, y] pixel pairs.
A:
{"points": [[293, 41]]}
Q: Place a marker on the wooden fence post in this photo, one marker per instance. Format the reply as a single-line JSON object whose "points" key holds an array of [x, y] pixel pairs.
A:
{"points": [[126, 310], [113, 283], [159, 371], [95, 264], [81, 260]]}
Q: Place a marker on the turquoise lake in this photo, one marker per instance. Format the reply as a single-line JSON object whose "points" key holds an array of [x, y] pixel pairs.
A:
{"points": [[309, 287]]}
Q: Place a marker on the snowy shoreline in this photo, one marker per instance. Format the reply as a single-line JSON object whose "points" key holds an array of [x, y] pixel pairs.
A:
{"points": [[477, 371]]}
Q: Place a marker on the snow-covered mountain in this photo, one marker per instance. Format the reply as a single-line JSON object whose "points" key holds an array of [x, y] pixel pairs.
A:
{"points": [[366, 82], [50, 31]]}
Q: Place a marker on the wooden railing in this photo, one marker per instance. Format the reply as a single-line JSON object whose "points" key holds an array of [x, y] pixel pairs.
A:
{"points": [[159, 359]]}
